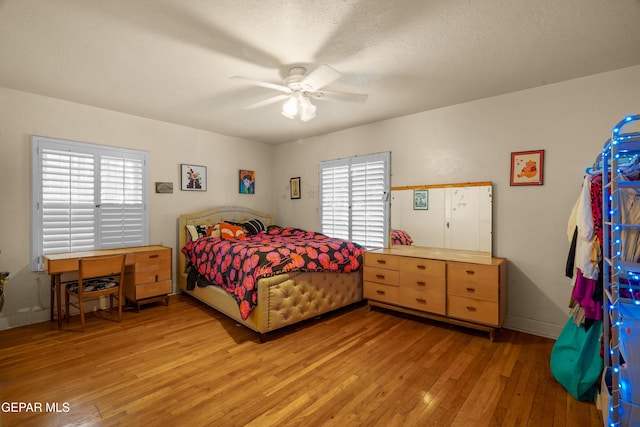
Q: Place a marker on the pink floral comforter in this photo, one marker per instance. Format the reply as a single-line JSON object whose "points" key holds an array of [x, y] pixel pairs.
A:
{"points": [[236, 265]]}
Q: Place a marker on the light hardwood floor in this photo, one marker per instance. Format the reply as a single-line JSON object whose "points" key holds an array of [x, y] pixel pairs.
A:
{"points": [[186, 364]]}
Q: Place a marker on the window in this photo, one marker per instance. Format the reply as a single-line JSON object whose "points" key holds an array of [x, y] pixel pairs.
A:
{"points": [[354, 199], [86, 197]]}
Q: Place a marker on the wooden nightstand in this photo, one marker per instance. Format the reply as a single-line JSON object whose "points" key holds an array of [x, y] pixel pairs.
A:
{"points": [[148, 278]]}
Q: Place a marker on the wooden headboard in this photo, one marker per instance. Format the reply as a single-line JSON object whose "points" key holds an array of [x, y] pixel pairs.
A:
{"points": [[211, 216]]}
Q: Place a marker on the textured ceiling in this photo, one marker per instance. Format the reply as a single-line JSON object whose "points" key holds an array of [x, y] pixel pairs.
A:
{"points": [[172, 60]]}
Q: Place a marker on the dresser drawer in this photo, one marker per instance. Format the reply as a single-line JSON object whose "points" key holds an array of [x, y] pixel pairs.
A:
{"points": [[433, 302], [381, 275], [426, 267], [372, 259], [423, 274], [473, 281], [422, 282], [380, 292], [474, 310], [148, 290]]}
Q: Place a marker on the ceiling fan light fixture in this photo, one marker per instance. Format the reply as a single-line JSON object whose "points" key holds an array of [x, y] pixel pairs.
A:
{"points": [[290, 108], [308, 110], [299, 106]]}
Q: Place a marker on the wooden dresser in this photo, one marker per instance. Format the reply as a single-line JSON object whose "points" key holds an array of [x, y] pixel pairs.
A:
{"points": [[461, 287], [148, 276]]}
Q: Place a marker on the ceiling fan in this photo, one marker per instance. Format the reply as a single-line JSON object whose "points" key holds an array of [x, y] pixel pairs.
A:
{"points": [[298, 88]]}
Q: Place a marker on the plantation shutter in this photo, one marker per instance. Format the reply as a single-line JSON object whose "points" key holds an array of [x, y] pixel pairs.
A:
{"points": [[335, 201], [355, 199], [86, 197], [368, 220], [121, 210], [68, 201]]}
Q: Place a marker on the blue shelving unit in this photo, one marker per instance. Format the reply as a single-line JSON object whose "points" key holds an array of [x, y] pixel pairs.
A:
{"points": [[621, 274]]}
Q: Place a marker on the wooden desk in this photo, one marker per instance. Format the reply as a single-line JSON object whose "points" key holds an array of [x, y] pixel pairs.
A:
{"points": [[57, 264]]}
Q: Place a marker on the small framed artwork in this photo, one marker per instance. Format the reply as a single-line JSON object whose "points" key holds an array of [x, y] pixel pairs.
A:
{"points": [[193, 178], [421, 199], [164, 187], [527, 167], [247, 181], [294, 185]]}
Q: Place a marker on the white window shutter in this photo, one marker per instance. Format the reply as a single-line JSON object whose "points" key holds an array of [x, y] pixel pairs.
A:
{"points": [[86, 197], [354, 199], [335, 201], [368, 204], [68, 202], [121, 209]]}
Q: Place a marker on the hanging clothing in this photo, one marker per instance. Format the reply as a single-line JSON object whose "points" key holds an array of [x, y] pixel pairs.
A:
{"points": [[583, 294], [571, 258], [630, 214], [595, 197], [581, 217]]}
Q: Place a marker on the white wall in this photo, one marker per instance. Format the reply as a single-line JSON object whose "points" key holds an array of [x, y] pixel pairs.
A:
{"points": [[23, 115], [467, 142], [473, 142]]}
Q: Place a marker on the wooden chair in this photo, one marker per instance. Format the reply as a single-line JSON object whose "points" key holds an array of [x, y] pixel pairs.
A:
{"points": [[97, 276]]}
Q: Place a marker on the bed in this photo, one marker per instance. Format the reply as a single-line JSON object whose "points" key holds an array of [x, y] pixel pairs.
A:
{"points": [[281, 299]]}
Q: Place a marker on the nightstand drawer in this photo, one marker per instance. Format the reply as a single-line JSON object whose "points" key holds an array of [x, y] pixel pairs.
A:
{"points": [[473, 310], [433, 302], [381, 275], [380, 292], [148, 290]]}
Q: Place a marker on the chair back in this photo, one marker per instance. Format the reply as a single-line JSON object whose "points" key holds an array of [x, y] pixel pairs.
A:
{"points": [[102, 266]]}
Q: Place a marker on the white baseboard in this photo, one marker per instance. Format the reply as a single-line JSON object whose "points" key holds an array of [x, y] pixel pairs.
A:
{"points": [[534, 327]]}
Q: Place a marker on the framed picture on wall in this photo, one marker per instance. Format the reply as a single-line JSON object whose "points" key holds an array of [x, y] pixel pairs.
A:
{"points": [[193, 178], [421, 199], [294, 185], [527, 167], [247, 182]]}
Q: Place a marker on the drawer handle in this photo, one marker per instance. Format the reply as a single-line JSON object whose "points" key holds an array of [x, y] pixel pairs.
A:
{"points": [[471, 272], [421, 300], [471, 289], [380, 292], [421, 284], [422, 267], [381, 261], [469, 308], [156, 277], [154, 256], [379, 276]]}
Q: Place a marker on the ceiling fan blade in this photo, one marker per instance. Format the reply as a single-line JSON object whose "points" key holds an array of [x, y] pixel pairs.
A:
{"points": [[320, 77], [330, 95], [263, 84], [267, 101]]}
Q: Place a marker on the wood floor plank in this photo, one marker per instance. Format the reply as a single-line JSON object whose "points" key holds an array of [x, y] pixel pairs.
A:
{"points": [[186, 364]]}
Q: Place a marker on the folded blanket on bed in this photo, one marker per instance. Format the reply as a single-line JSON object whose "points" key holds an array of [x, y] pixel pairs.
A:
{"points": [[236, 265]]}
